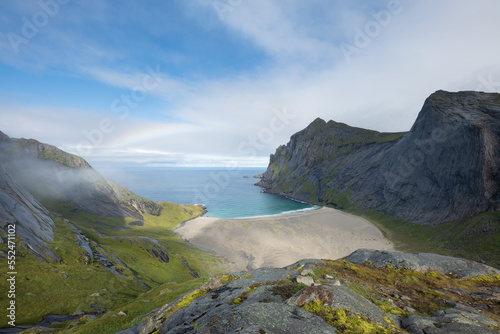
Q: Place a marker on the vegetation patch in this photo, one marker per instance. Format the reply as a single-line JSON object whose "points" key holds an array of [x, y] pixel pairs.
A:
{"points": [[423, 292], [476, 238], [286, 289], [186, 300], [344, 320], [66, 285]]}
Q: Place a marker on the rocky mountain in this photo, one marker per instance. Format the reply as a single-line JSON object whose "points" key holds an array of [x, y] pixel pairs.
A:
{"points": [[52, 175], [26, 217], [445, 168]]}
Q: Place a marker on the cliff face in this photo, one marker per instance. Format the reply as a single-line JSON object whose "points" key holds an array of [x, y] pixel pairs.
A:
{"points": [[49, 173], [31, 220], [445, 168]]}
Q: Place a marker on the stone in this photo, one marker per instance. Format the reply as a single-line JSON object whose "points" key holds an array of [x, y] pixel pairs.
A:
{"points": [[307, 280], [339, 297], [95, 294], [307, 272], [121, 314], [459, 319], [409, 309]]}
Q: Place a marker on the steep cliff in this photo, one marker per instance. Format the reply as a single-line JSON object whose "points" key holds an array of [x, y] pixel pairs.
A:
{"points": [[51, 174], [26, 216], [445, 168]]}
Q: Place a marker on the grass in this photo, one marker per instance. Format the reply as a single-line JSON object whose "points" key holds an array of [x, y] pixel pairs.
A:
{"points": [[137, 309], [425, 291], [476, 238], [42, 289]]}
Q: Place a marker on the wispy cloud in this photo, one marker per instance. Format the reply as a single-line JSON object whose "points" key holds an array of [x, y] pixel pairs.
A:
{"points": [[221, 78]]}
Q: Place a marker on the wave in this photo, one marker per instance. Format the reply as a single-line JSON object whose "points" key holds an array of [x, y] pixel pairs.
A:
{"points": [[283, 213]]}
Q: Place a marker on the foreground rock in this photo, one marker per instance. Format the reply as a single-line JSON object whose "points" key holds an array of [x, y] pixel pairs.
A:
{"points": [[422, 262], [272, 301], [459, 319]]}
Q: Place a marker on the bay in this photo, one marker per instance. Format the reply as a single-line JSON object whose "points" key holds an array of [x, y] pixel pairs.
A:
{"points": [[226, 193]]}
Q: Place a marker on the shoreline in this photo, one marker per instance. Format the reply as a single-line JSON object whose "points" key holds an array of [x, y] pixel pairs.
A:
{"points": [[280, 240], [284, 213]]}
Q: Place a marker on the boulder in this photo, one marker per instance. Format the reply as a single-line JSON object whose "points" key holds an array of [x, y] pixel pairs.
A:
{"points": [[422, 262]]}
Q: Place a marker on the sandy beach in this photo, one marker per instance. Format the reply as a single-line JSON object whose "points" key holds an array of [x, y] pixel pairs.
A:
{"points": [[278, 241]]}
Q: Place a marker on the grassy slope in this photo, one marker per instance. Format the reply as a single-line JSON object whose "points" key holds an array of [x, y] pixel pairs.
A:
{"points": [[476, 238], [42, 290]]}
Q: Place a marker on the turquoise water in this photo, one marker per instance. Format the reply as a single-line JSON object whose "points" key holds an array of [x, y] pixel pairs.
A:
{"points": [[225, 192]]}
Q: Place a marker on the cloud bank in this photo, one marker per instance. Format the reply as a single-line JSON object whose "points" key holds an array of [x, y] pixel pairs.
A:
{"points": [[216, 82]]}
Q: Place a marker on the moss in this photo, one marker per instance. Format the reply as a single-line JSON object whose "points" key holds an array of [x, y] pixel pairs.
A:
{"points": [[298, 287], [235, 301], [313, 276], [487, 280], [186, 301], [425, 291], [338, 200], [344, 320], [287, 289], [387, 307]]}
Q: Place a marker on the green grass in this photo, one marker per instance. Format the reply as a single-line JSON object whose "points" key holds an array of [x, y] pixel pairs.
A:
{"points": [[42, 290], [476, 238], [137, 309], [425, 290]]}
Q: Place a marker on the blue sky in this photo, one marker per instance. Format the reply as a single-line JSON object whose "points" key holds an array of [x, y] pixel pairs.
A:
{"points": [[225, 82]]}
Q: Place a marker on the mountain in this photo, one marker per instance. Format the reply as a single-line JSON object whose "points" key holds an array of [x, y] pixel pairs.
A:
{"points": [[55, 176], [447, 167], [76, 244], [29, 219]]}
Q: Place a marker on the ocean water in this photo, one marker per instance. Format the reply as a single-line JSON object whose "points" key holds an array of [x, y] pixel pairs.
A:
{"points": [[226, 193]]}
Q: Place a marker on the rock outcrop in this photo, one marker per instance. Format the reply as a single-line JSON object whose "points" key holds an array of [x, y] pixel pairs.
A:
{"points": [[49, 173], [422, 262], [271, 301], [445, 168], [33, 225]]}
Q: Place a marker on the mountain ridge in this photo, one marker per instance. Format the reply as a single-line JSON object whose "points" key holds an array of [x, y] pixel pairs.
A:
{"points": [[53, 175], [445, 168]]}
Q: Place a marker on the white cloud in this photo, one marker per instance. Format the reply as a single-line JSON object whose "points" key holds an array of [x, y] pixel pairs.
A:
{"points": [[427, 46]]}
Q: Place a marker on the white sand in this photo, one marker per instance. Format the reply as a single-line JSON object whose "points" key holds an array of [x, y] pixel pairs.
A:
{"points": [[282, 240]]}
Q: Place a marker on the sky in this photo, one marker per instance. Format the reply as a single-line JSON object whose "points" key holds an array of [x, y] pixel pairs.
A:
{"points": [[225, 82]]}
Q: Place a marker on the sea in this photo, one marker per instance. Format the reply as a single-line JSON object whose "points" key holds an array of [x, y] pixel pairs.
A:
{"points": [[225, 192]]}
